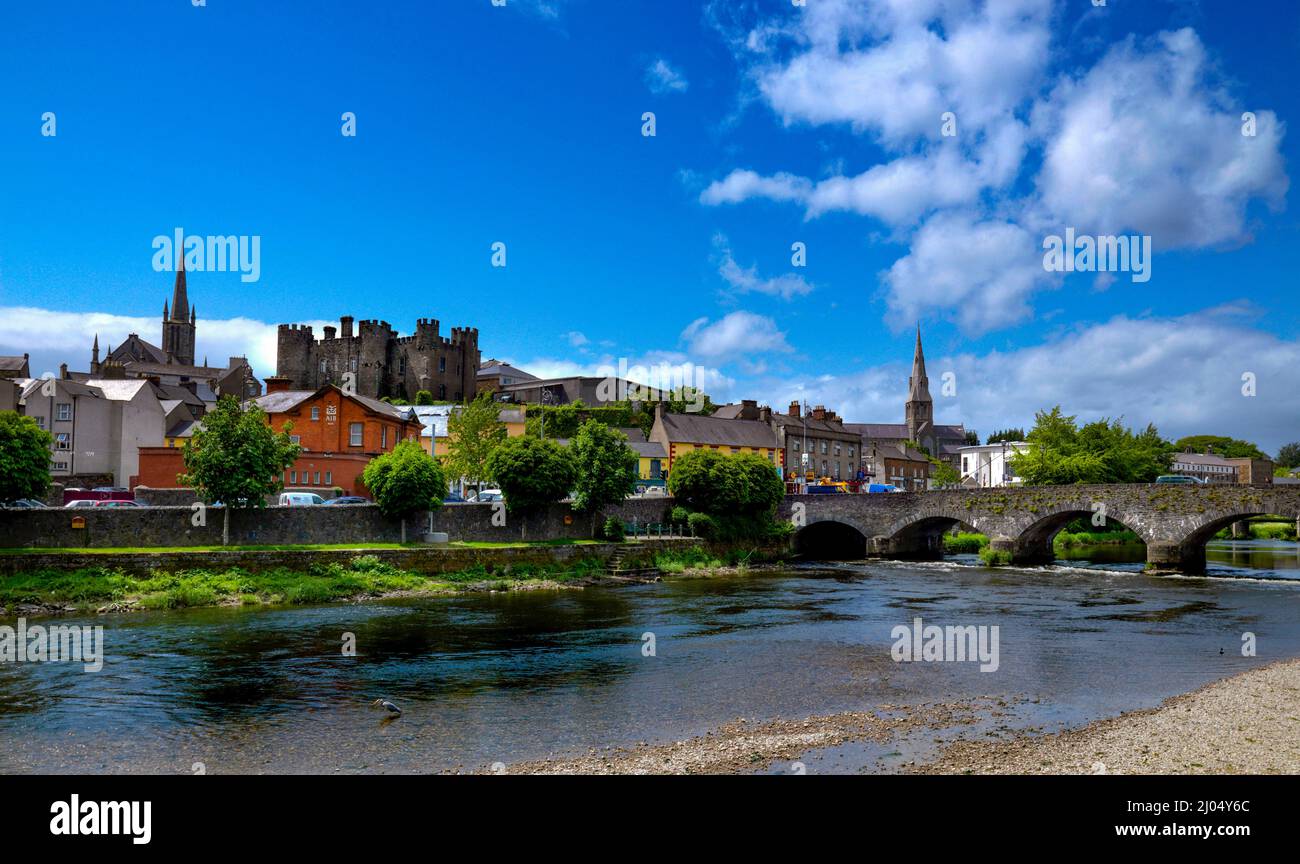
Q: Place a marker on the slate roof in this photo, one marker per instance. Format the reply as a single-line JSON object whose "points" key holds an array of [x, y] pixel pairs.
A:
{"points": [[718, 431]]}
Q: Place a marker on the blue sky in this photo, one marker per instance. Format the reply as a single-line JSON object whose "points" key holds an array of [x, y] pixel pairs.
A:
{"points": [[522, 124]]}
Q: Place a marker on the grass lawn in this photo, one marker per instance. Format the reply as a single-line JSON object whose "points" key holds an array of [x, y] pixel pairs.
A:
{"points": [[314, 547]]}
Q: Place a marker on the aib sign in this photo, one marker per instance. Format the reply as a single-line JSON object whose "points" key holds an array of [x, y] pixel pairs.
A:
{"points": [[331, 413]]}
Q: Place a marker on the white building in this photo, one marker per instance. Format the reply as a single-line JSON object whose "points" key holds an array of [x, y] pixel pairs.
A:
{"points": [[988, 465]]}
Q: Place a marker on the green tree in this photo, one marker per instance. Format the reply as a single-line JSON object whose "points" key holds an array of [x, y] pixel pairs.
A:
{"points": [[688, 400], [1103, 451], [1015, 433], [606, 466], [234, 457], [532, 472], [712, 482], [943, 474], [405, 480], [1289, 455], [972, 437], [424, 397], [24, 457], [473, 433], [1219, 445]]}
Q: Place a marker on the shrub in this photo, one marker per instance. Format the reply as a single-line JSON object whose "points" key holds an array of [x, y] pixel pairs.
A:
{"points": [[532, 472], [614, 529], [703, 525], [24, 457], [994, 557], [405, 480]]}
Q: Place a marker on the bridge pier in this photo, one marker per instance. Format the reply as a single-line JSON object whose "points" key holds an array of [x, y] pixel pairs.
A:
{"points": [[1024, 551], [1171, 556], [911, 547]]}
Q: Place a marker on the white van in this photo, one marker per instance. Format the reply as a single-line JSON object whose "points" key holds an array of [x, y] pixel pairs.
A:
{"points": [[300, 499]]}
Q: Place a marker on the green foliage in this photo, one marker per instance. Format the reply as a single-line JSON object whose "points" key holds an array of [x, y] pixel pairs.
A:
{"points": [[965, 542], [994, 557], [972, 437], [473, 433], [1219, 445], [1103, 451], [606, 466], [234, 457], [424, 397], [614, 529], [678, 516], [24, 457], [703, 525], [1289, 455], [531, 472], [712, 482], [943, 474], [405, 479], [1015, 433]]}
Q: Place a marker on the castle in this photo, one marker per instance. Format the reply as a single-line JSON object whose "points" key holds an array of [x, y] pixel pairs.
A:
{"points": [[382, 363]]}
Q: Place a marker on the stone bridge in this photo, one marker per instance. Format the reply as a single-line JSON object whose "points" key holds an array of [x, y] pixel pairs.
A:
{"points": [[1174, 521]]}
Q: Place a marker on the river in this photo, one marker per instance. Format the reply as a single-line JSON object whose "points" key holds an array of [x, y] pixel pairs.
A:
{"points": [[501, 678]]}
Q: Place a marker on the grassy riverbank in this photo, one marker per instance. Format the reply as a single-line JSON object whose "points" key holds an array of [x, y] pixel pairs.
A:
{"points": [[970, 543], [110, 589]]}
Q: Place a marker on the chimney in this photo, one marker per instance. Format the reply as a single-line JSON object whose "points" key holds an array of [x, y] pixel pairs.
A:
{"points": [[819, 413], [748, 409], [329, 332], [63, 371], [345, 324], [794, 409], [765, 414], [659, 411], [277, 383]]}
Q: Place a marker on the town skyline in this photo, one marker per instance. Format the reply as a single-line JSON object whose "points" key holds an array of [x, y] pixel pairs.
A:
{"points": [[398, 223]]}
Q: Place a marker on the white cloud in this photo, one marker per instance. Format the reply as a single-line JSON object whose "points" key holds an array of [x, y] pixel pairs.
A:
{"points": [[662, 78], [53, 337], [1182, 373], [575, 338], [1144, 141], [738, 334], [980, 272], [745, 280]]}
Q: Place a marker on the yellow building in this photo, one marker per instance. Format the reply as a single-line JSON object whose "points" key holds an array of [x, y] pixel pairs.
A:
{"points": [[681, 433]]}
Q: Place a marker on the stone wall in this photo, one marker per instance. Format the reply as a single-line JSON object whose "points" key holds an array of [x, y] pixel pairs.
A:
{"points": [[165, 526]]}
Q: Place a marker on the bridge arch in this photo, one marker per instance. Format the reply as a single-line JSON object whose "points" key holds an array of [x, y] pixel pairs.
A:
{"points": [[831, 540], [920, 535], [1034, 543]]}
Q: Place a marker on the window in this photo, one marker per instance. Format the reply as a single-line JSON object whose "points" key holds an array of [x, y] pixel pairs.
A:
{"points": [[735, 451], [62, 441], [353, 364], [296, 439], [824, 449], [293, 477], [315, 412], [383, 437], [401, 365], [442, 391], [442, 364], [850, 451], [323, 367], [796, 445], [354, 434], [40, 421], [317, 483], [60, 466], [837, 449], [65, 411], [329, 478]]}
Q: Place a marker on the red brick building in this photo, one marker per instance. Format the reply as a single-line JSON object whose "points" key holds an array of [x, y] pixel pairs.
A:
{"points": [[339, 433]]}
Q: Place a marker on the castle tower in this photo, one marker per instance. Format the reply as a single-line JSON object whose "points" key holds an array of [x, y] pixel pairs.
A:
{"points": [[920, 407], [178, 326]]}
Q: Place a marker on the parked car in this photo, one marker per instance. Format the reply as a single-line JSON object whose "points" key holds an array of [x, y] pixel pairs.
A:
{"points": [[24, 504], [484, 496], [1181, 479], [882, 487], [80, 502], [300, 499], [453, 498], [347, 499], [111, 503], [108, 489]]}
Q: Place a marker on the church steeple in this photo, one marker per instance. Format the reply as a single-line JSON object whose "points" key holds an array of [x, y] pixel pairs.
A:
{"points": [[94, 355], [178, 321], [180, 302], [920, 407], [919, 383]]}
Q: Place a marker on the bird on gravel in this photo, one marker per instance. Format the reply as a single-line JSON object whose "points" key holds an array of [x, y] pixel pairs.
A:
{"points": [[389, 706]]}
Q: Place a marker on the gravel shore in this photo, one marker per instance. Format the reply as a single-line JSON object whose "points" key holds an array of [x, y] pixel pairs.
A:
{"points": [[1246, 724], [744, 746]]}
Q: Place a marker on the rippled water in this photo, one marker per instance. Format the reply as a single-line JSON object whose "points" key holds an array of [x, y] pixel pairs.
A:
{"points": [[507, 677]]}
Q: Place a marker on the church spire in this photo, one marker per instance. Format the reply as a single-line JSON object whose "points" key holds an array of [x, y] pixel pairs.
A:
{"points": [[180, 302], [919, 383]]}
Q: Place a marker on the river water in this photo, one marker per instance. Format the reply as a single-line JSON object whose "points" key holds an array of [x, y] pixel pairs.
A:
{"points": [[492, 678]]}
